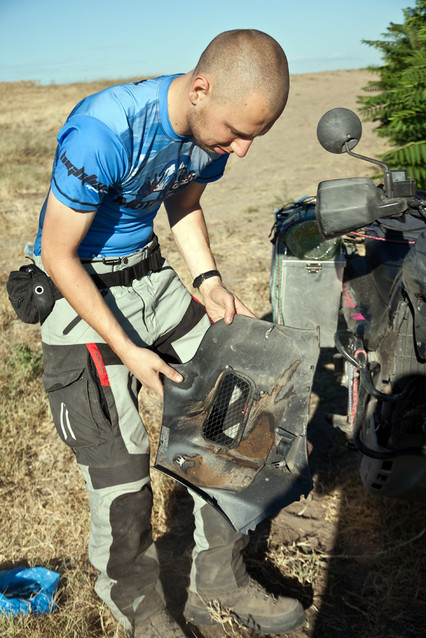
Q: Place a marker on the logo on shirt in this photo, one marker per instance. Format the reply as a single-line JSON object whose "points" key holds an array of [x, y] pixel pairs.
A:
{"points": [[89, 180], [161, 185], [172, 178]]}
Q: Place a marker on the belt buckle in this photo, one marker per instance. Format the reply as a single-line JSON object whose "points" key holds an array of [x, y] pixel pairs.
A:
{"points": [[144, 254]]}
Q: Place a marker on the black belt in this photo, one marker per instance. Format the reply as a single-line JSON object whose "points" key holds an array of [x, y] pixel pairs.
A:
{"points": [[152, 263]]}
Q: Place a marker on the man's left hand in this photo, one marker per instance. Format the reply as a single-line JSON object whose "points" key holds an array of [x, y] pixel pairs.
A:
{"points": [[220, 303]]}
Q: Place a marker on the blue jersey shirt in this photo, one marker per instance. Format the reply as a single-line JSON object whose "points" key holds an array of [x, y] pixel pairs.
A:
{"points": [[119, 155]]}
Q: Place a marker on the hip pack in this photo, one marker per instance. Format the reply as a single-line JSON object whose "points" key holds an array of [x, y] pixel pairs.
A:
{"points": [[32, 293]]}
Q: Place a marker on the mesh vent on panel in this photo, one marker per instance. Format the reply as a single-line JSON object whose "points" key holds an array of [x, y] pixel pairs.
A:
{"points": [[225, 421]]}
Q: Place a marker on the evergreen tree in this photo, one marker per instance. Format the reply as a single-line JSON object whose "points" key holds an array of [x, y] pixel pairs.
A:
{"points": [[398, 99]]}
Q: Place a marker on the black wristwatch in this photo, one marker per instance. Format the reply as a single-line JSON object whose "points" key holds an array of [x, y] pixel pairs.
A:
{"points": [[205, 275]]}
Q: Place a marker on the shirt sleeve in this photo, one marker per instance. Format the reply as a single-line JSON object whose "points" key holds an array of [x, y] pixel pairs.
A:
{"points": [[213, 171], [89, 160]]}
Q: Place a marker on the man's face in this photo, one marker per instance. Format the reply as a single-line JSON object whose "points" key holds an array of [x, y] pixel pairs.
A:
{"points": [[230, 127]]}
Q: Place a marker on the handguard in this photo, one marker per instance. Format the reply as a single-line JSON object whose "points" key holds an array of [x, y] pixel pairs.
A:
{"points": [[347, 204], [234, 431]]}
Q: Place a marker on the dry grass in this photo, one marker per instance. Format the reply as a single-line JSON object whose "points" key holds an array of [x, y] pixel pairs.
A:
{"points": [[358, 563]]}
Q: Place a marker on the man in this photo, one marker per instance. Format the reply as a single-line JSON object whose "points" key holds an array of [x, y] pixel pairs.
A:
{"points": [[125, 316]]}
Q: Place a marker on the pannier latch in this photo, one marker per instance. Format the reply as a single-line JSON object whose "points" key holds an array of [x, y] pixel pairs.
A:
{"points": [[313, 268]]}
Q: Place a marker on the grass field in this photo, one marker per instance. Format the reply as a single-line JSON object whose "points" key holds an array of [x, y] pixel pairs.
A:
{"points": [[357, 563]]}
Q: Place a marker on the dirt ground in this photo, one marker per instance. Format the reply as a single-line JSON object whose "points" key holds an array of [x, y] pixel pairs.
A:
{"points": [[338, 550]]}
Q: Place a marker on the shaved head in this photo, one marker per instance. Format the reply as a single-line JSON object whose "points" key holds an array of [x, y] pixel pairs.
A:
{"points": [[243, 62]]}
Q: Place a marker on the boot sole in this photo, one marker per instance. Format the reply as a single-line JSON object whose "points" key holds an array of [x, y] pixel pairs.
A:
{"points": [[197, 616]]}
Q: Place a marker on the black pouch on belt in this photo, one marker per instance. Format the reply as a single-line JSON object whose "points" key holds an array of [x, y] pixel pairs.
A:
{"points": [[32, 293]]}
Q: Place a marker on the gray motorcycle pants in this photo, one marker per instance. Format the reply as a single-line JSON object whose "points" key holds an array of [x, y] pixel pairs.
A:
{"points": [[94, 403]]}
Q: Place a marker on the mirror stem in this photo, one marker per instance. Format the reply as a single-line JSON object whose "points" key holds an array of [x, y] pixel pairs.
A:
{"points": [[387, 175]]}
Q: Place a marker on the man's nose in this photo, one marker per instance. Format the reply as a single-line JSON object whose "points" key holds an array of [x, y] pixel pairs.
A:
{"points": [[240, 147]]}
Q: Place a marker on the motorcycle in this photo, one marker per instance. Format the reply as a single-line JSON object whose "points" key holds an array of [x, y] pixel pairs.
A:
{"points": [[380, 235]]}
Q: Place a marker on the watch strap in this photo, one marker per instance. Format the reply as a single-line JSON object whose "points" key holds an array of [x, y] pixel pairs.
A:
{"points": [[205, 275]]}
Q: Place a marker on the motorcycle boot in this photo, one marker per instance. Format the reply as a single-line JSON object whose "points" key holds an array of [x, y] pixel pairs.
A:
{"points": [[250, 606], [151, 619], [220, 586], [159, 625]]}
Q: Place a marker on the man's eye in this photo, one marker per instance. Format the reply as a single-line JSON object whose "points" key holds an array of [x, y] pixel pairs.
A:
{"points": [[240, 136]]}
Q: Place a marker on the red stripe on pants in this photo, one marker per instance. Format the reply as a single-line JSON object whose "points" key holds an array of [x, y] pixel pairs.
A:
{"points": [[99, 363]]}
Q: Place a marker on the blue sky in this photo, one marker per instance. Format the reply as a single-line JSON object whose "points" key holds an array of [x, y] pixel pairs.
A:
{"points": [[64, 41]]}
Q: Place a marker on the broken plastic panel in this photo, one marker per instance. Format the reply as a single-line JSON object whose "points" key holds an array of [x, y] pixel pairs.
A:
{"points": [[234, 431]]}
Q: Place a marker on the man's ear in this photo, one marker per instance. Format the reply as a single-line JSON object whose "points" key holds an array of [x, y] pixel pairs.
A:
{"points": [[200, 88]]}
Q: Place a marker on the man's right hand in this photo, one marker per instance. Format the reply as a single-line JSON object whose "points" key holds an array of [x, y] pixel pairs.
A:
{"points": [[149, 368]]}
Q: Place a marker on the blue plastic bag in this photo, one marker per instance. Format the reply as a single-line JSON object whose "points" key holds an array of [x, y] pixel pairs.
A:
{"points": [[28, 591]]}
